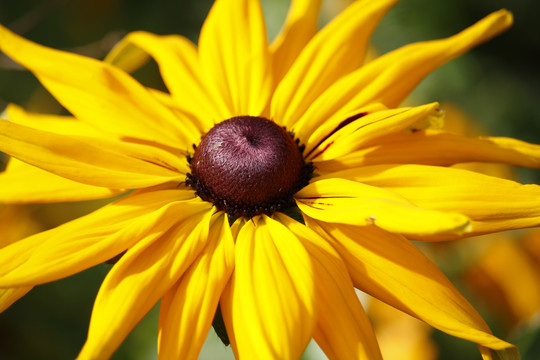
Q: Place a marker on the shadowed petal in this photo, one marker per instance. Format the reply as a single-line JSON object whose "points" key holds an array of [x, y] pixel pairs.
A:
{"points": [[235, 60], [187, 310], [141, 277], [10, 295], [96, 92], [91, 239], [350, 202], [343, 330], [390, 268], [269, 305], [492, 204]]}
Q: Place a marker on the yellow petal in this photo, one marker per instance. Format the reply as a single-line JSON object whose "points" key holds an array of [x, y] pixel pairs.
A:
{"points": [[365, 130], [91, 239], [91, 161], [9, 296], [179, 66], [333, 52], [433, 147], [141, 277], [348, 202], [343, 330], [269, 305], [391, 77], [234, 56], [59, 124], [390, 268], [21, 183], [186, 312], [491, 203], [96, 92], [300, 26]]}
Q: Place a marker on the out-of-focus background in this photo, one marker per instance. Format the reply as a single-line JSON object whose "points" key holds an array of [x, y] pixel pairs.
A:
{"points": [[496, 86]]}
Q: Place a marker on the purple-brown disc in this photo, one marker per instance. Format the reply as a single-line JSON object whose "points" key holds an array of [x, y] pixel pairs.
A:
{"points": [[247, 166]]}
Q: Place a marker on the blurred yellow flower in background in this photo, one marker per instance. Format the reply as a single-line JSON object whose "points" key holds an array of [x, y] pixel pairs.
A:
{"points": [[271, 179]]}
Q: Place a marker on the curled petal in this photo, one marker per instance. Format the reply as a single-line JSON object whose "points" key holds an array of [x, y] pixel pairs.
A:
{"points": [[349, 202], [492, 204], [433, 147]]}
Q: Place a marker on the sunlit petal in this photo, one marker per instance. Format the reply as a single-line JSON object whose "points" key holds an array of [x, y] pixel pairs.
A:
{"points": [[433, 147], [390, 268], [333, 52], [343, 330], [186, 312], [492, 204], [269, 306], [300, 26], [91, 239], [91, 161], [350, 202], [96, 92], [179, 66], [235, 59], [141, 277]]}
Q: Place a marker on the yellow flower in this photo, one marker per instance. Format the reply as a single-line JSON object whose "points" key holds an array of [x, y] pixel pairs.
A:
{"points": [[365, 175]]}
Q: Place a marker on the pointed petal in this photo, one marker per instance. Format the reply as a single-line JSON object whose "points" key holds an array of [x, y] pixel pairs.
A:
{"points": [[96, 92], [390, 268], [91, 161], [233, 50], [365, 130], [433, 147], [141, 277], [348, 202], [179, 66], [391, 77], [9, 296], [186, 312], [21, 183], [300, 26], [492, 204], [269, 305], [343, 330], [333, 52], [91, 239], [59, 124]]}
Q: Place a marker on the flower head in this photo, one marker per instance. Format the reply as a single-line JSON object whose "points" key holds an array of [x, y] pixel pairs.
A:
{"points": [[299, 126]]}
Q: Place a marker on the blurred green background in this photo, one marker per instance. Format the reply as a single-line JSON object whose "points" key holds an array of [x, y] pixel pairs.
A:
{"points": [[497, 84]]}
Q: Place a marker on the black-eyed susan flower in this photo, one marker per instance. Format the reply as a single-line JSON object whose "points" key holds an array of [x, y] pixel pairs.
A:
{"points": [[249, 134]]}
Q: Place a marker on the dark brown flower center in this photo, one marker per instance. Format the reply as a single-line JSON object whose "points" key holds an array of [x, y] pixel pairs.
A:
{"points": [[247, 166]]}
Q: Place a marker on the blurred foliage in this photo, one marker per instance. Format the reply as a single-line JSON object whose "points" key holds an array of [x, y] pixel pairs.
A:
{"points": [[497, 84]]}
